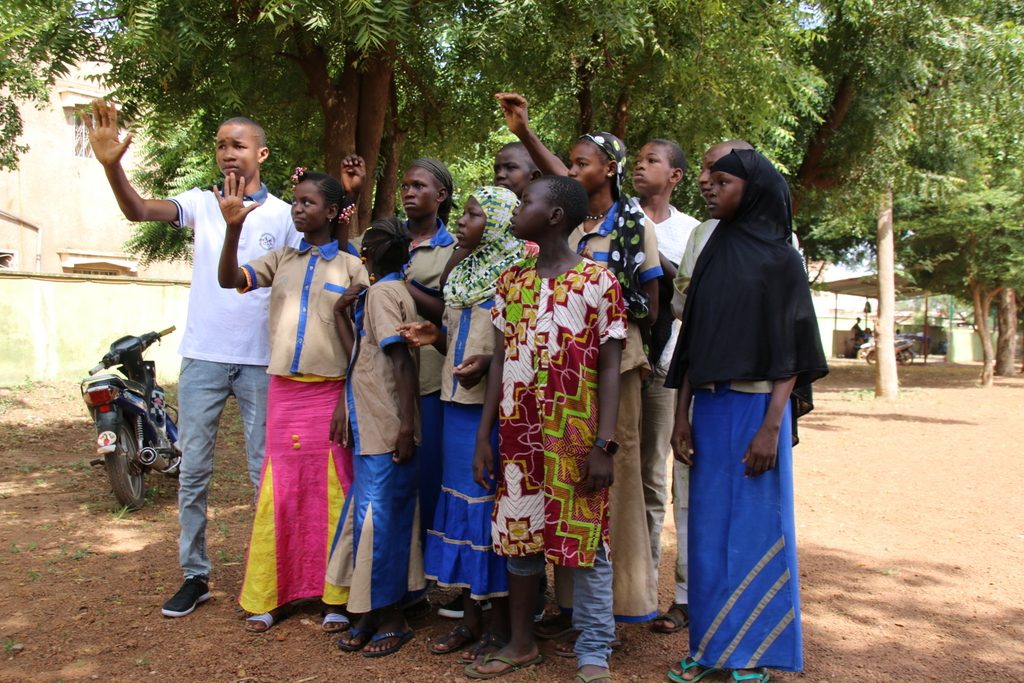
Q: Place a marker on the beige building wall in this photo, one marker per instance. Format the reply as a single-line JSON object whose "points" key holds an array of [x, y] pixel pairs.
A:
{"points": [[57, 213]]}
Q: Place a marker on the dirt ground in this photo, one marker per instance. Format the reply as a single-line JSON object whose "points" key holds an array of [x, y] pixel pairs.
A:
{"points": [[910, 521]]}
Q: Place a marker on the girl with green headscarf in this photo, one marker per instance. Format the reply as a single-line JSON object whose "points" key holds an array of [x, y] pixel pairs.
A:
{"points": [[458, 548]]}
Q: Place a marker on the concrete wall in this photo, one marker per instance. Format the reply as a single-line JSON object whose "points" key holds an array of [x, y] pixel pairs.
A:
{"points": [[57, 327]]}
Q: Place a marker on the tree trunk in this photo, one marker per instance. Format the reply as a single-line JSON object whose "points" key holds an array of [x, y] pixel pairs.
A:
{"points": [[621, 116], [982, 301], [1006, 343], [375, 83], [886, 381], [584, 97], [391, 151]]}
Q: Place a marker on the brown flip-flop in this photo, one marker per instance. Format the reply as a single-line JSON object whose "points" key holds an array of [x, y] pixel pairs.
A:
{"points": [[510, 665]]}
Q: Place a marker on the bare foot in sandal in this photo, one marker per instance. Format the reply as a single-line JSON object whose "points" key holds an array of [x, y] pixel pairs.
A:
{"points": [[458, 638], [261, 623], [675, 619]]}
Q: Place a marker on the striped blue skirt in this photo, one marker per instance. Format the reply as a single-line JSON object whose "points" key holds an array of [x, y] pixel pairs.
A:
{"points": [[458, 553], [744, 584]]}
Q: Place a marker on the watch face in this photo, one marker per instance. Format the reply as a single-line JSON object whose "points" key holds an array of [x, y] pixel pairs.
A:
{"points": [[611, 447]]}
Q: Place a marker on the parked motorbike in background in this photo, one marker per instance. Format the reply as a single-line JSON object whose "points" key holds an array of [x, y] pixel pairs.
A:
{"points": [[904, 351], [134, 433]]}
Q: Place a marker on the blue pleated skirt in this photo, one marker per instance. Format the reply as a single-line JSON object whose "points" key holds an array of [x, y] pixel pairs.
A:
{"points": [[744, 583], [458, 552]]}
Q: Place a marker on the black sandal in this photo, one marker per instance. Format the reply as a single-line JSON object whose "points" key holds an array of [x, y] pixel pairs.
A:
{"points": [[678, 615], [458, 638], [487, 644]]}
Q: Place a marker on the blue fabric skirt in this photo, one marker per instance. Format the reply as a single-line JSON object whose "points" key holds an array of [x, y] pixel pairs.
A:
{"points": [[458, 553], [744, 584], [429, 456], [376, 550]]}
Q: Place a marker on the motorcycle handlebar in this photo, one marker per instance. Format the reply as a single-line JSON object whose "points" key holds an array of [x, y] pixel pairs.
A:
{"points": [[166, 332], [96, 369]]}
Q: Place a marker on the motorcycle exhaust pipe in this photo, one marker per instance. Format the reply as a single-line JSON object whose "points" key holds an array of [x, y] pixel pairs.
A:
{"points": [[150, 457]]}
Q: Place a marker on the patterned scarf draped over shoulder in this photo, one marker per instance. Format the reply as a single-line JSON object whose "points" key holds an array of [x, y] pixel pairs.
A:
{"points": [[474, 278], [626, 255]]}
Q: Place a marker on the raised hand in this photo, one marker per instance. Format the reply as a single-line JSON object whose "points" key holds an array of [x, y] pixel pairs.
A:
{"points": [[514, 108], [232, 205], [104, 136], [353, 175]]}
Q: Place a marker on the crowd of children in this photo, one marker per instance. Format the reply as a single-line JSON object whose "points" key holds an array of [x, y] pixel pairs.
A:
{"points": [[463, 405]]}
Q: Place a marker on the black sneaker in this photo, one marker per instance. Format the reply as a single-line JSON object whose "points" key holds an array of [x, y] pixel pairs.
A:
{"points": [[191, 593]]}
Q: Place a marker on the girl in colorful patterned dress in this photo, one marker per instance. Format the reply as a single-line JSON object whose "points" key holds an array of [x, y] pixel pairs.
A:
{"points": [[553, 384]]}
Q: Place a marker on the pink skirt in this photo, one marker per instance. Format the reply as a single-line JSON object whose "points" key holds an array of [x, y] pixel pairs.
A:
{"points": [[302, 490]]}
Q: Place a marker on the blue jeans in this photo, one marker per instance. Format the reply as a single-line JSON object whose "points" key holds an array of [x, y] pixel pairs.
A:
{"points": [[591, 604], [203, 389]]}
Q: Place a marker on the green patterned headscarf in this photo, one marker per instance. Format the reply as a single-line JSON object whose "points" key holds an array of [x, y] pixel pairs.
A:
{"points": [[474, 278]]}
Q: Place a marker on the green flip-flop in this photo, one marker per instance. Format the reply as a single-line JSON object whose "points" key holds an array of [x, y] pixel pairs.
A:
{"points": [[759, 676], [687, 664]]}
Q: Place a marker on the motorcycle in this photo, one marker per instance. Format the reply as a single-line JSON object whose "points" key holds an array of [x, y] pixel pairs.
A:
{"points": [[134, 432], [903, 345]]}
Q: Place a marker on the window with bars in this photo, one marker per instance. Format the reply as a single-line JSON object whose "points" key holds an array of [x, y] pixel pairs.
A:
{"points": [[81, 147]]}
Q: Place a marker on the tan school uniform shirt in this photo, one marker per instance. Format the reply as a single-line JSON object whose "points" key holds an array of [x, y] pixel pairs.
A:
{"points": [[427, 260], [470, 332], [372, 392], [305, 283]]}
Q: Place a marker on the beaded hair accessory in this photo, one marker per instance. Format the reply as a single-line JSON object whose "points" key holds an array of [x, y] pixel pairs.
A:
{"points": [[346, 213], [300, 171]]}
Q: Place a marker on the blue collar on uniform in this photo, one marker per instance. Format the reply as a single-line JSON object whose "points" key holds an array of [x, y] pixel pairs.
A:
{"points": [[327, 251], [441, 238], [390, 277], [258, 196], [349, 249]]}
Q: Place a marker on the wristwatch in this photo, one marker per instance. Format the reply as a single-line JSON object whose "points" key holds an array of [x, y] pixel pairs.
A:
{"points": [[609, 446]]}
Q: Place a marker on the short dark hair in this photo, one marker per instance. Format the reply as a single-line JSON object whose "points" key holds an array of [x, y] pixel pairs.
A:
{"points": [[568, 195], [246, 121], [330, 189], [387, 241], [530, 164], [676, 155]]}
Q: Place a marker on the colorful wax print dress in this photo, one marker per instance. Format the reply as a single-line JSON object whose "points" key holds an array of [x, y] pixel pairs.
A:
{"points": [[553, 328]]}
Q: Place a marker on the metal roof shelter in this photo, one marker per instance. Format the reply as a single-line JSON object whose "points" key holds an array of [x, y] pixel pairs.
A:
{"points": [[867, 286]]}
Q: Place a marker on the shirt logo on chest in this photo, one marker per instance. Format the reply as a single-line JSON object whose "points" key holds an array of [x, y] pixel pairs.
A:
{"points": [[267, 241]]}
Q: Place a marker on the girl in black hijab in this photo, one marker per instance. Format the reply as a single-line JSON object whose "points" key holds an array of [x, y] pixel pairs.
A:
{"points": [[749, 338]]}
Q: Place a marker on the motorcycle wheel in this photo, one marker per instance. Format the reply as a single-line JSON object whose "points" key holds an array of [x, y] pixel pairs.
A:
{"points": [[126, 477], [905, 357]]}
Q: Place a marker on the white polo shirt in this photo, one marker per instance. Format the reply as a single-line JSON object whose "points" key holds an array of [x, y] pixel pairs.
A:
{"points": [[673, 236], [222, 326]]}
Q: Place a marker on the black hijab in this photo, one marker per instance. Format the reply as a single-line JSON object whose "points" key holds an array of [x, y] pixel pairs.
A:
{"points": [[749, 314]]}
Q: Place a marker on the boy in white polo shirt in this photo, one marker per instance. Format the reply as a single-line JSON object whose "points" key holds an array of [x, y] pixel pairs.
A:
{"points": [[659, 168], [225, 348]]}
